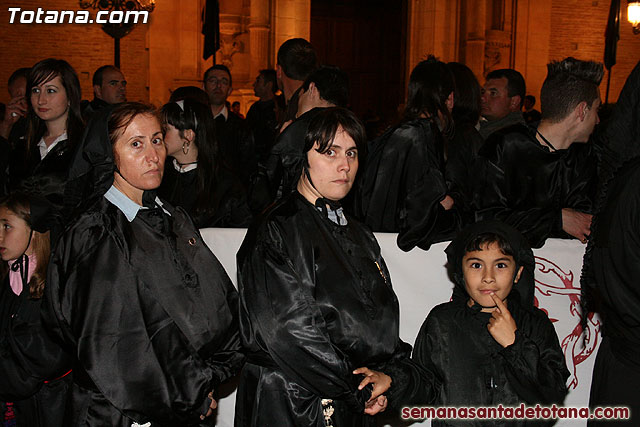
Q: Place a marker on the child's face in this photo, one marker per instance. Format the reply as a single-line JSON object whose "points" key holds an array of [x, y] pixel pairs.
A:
{"points": [[488, 271], [14, 235]]}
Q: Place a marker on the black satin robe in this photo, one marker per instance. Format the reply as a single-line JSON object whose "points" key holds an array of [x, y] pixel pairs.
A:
{"points": [[523, 183], [227, 201], [149, 313], [316, 303], [402, 185], [477, 371], [32, 365], [474, 369]]}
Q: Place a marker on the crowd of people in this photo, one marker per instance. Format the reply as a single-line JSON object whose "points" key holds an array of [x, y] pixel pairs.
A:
{"points": [[113, 311]]}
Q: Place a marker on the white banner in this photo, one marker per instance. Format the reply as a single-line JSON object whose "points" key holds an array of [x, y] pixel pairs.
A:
{"points": [[420, 280]]}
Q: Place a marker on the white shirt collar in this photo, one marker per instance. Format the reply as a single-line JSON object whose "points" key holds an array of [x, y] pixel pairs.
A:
{"points": [[127, 206], [185, 168], [224, 113], [42, 146]]}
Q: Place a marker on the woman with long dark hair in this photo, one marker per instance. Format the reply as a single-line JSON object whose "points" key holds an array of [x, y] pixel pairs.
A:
{"points": [[54, 128], [194, 178], [403, 189]]}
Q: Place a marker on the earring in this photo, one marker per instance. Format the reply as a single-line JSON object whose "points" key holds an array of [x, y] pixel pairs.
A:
{"points": [[185, 148]]}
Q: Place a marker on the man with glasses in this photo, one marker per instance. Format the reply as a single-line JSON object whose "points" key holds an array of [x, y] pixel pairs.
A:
{"points": [[235, 140]]}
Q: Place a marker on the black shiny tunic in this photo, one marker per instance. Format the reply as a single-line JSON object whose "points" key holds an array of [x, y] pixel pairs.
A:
{"points": [[32, 365], [316, 303], [402, 185], [149, 313], [523, 183], [227, 205]]}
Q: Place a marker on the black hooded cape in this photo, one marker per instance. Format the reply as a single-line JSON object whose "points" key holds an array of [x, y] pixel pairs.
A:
{"points": [[316, 303], [145, 307], [403, 183], [474, 369]]}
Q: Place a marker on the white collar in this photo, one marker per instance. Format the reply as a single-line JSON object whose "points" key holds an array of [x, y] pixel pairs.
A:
{"points": [[185, 168], [224, 113], [44, 150], [127, 206]]}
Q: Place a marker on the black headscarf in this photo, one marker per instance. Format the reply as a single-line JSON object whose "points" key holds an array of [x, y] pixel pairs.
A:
{"points": [[92, 168], [522, 254]]}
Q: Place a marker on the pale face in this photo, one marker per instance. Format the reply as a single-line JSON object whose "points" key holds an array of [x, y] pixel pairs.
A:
{"points": [[334, 171], [14, 235], [217, 86], [114, 87], [489, 271], [49, 100], [172, 140], [139, 155], [495, 101]]}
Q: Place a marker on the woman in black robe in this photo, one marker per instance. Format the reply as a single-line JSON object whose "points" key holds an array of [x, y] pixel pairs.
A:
{"points": [[317, 302], [403, 188], [194, 178], [54, 130], [145, 307], [475, 369]]}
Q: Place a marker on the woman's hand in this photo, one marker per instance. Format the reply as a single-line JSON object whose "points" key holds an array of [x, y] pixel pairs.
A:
{"points": [[212, 406], [502, 326], [381, 383]]}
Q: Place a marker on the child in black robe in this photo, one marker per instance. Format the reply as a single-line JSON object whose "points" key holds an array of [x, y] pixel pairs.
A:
{"points": [[490, 345]]}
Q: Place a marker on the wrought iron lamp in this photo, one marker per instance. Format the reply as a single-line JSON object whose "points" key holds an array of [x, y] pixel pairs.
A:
{"points": [[118, 31]]}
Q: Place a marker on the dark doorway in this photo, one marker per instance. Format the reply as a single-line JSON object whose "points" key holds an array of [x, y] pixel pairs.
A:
{"points": [[366, 38]]}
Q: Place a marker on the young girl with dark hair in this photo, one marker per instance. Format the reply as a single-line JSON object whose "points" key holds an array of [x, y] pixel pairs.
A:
{"points": [[195, 179], [403, 189], [38, 396]]}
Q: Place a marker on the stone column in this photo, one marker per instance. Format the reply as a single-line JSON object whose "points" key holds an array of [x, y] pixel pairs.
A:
{"points": [[474, 36], [259, 21], [292, 18]]}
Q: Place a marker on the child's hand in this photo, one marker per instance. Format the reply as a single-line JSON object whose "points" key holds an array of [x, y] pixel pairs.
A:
{"points": [[501, 326]]}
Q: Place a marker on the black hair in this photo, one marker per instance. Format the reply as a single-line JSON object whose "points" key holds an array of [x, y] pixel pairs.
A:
{"points": [[20, 72], [569, 82], [198, 118], [482, 240], [466, 108], [332, 84], [298, 58], [189, 92], [430, 85], [515, 82], [219, 67], [42, 72], [324, 126], [98, 75], [531, 98], [269, 75]]}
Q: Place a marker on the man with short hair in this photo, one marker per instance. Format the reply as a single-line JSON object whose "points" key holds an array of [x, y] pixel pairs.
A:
{"points": [[109, 87], [325, 87], [297, 59], [234, 138], [541, 181], [501, 100], [530, 114], [261, 116]]}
